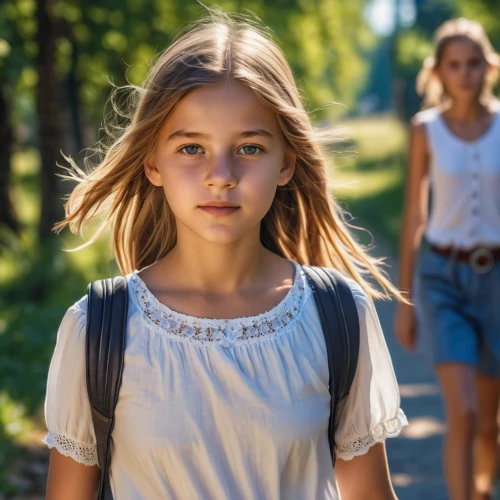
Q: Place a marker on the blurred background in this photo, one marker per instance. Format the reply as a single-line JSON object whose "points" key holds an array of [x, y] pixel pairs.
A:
{"points": [[355, 61]]}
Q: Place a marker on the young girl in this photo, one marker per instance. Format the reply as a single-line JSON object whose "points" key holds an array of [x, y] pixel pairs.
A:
{"points": [[217, 192], [455, 149]]}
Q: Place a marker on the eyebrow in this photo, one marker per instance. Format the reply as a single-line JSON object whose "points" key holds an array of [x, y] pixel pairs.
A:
{"points": [[198, 135]]}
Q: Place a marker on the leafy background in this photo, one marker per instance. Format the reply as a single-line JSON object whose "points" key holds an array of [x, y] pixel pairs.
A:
{"points": [[58, 61]]}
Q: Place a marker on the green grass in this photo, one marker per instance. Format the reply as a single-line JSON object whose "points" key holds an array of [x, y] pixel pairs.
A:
{"points": [[39, 282]]}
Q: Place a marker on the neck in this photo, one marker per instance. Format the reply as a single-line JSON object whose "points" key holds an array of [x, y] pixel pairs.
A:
{"points": [[464, 111], [220, 268]]}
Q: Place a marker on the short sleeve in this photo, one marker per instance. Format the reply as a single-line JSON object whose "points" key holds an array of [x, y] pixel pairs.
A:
{"points": [[67, 409], [372, 410]]}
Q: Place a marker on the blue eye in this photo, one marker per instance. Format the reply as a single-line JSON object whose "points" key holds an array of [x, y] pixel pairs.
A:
{"points": [[250, 150], [191, 150]]}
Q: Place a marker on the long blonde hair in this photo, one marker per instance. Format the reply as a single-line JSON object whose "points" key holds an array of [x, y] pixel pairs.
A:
{"points": [[304, 222], [428, 83]]}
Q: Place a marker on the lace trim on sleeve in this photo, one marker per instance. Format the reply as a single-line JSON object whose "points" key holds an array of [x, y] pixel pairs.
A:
{"points": [[387, 429], [81, 453]]}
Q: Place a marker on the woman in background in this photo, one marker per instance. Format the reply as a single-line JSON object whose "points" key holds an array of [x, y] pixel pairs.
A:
{"points": [[455, 156]]}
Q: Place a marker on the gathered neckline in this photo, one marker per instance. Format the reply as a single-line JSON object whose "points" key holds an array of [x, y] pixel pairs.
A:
{"points": [[228, 332]]}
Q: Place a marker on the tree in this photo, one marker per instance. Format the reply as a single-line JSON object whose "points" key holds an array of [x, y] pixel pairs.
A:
{"points": [[49, 116], [13, 59], [79, 47], [7, 215]]}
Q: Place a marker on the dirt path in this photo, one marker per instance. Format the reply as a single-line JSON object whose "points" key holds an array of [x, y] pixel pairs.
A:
{"points": [[415, 456]]}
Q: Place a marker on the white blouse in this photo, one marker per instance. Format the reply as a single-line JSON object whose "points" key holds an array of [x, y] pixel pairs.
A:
{"points": [[465, 184], [224, 409]]}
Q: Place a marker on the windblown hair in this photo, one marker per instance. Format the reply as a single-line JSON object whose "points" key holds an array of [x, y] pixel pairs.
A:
{"points": [[428, 83], [304, 222]]}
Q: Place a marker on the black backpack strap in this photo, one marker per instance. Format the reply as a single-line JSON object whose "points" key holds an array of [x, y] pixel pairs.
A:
{"points": [[340, 322], [104, 352]]}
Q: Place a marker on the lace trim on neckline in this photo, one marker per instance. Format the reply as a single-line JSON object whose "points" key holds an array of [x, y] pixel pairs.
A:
{"points": [[227, 332], [81, 453], [382, 431]]}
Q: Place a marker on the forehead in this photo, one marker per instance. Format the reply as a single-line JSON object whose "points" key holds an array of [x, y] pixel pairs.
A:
{"points": [[461, 48], [226, 105]]}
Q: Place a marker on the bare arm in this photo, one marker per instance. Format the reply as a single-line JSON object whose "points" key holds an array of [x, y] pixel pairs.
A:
{"points": [[416, 203], [414, 222], [366, 476], [69, 479]]}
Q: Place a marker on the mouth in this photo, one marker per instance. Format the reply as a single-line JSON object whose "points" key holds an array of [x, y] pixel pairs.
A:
{"points": [[219, 208]]}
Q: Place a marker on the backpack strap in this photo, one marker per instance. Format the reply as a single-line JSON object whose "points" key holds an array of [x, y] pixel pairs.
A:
{"points": [[340, 322], [104, 353]]}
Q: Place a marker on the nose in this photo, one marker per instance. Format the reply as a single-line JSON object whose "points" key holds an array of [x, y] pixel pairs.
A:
{"points": [[221, 172]]}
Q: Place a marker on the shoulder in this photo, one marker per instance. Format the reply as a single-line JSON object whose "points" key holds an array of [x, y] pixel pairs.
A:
{"points": [[364, 304], [495, 105], [425, 117], [76, 313], [367, 313], [75, 316], [362, 300], [360, 296], [423, 123]]}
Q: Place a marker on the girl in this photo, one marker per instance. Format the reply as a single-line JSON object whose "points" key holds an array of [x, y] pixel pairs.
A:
{"points": [[455, 149], [217, 192]]}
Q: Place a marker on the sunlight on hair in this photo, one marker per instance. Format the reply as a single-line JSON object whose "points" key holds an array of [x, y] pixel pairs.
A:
{"points": [[305, 223]]}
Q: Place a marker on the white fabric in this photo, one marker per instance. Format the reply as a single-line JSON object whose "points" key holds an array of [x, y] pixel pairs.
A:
{"points": [[224, 409], [465, 185]]}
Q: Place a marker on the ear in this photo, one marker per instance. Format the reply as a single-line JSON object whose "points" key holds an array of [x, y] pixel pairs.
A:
{"points": [[287, 168], [151, 170]]}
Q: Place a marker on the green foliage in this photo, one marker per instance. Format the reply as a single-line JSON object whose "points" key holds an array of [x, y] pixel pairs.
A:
{"points": [[324, 41], [115, 40], [37, 284], [413, 47], [368, 176], [486, 12]]}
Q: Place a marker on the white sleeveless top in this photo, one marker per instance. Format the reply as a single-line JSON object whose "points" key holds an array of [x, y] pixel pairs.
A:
{"points": [[224, 409], [465, 185]]}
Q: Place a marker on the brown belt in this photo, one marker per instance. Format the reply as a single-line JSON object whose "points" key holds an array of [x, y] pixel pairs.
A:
{"points": [[481, 259]]}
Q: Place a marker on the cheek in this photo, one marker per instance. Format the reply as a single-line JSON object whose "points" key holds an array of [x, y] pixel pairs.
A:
{"points": [[179, 185], [261, 180], [479, 74]]}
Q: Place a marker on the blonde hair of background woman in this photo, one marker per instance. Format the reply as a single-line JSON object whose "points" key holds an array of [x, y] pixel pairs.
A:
{"points": [[304, 222], [428, 83]]}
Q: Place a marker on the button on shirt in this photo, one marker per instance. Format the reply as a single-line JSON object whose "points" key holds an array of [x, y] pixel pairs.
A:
{"points": [[465, 185]]}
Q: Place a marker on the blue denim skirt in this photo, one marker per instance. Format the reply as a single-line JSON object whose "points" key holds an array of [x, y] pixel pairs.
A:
{"points": [[458, 312]]}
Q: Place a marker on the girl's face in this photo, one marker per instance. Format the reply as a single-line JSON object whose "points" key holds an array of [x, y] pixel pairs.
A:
{"points": [[462, 69], [219, 158]]}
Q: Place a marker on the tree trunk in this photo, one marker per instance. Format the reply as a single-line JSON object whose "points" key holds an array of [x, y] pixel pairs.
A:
{"points": [[7, 216], [74, 98], [49, 119]]}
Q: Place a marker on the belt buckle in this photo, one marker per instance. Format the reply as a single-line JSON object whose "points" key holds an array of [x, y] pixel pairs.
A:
{"points": [[481, 260]]}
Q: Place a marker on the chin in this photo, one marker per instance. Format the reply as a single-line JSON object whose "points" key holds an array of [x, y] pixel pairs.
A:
{"points": [[225, 236], [467, 93]]}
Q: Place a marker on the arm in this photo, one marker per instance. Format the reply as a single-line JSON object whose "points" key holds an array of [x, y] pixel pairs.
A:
{"points": [[69, 479], [365, 476], [416, 203], [414, 223]]}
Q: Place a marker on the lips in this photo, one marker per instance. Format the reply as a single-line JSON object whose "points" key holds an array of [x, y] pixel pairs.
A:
{"points": [[219, 208]]}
